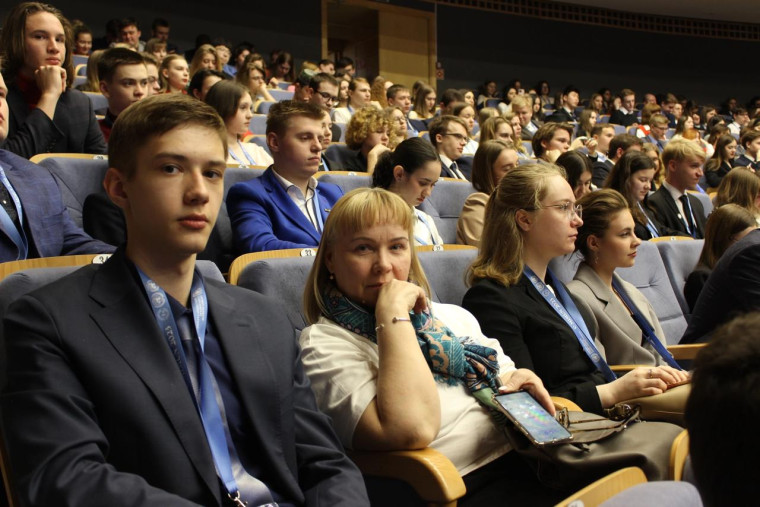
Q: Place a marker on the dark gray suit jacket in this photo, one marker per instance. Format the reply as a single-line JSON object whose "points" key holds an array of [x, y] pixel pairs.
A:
{"points": [[666, 211], [95, 410]]}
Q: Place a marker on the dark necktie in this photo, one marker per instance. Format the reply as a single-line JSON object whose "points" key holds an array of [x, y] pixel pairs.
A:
{"points": [[688, 215]]}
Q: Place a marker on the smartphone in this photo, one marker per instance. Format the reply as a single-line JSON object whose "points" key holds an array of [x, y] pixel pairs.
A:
{"points": [[532, 419]]}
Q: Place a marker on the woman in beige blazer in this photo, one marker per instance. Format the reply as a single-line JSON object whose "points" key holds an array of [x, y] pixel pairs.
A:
{"points": [[492, 161]]}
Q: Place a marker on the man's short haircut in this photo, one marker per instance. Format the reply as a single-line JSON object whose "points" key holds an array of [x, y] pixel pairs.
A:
{"points": [[670, 99], [681, 149], [326, 61], [440, 125], [149, 59], [281, 113], [522, 101], [726, 380], [125, 22], [112, 58], [599, 127], [159, 22], [570, 89], [546, 133], [322, 77], [196, 83], [748, 136], [659, 120], [391, 92], [154, 44], [451, 95], [623, 141], [344, 62], [739, 111], [626, 92], [155, 116]]}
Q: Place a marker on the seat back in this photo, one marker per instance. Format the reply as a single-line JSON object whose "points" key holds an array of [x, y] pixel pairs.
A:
{"points": [[707, 203], [263, 107], [445, 270], [97, 100], [347, 181], [680, 258], [76, 178], [279, 95], [605, 488], [258, 124], [259, 140], [340, 154], [445, 205]]}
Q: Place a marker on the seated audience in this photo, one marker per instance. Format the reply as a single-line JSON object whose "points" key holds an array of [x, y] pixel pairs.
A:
{"points": [[551, 140], [398, 122], [358, 97], [649, 110], [486, 91], [566, 112], [530, 219], [82, 40], [449, 135], [167, 440], [129, 33], [741, 119], [598, 145], [578, 170], [286, 206], [411, 171], [742, 187], [721, 162], [157, 48], [237, 58], [367, 133], [684, 123], [327, 132], [626, 114], [160, 29], [282, 69], [466, 112], [253, 77], [399, 96], [154, 82], [653, 153], [618, 145], [205, 58], [496, 128], [586, 123], [373, 331], [322, 91], [726, 380], [46, 115], [327, 66], [424, 105], [123, 81], [174, 74], [202, 82], [448, 99], [233, 103], [750, 141], [725, 226], [629, 331], [492, 161], [596, 102]]}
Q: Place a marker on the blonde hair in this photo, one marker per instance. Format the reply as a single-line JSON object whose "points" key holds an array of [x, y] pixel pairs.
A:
{"points": [[358, 210], [681, 149], [501, 245], [365, 121]]}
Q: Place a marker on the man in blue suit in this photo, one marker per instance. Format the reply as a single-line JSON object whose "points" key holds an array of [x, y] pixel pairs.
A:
{"points": [[286, 207], [33, 220]]}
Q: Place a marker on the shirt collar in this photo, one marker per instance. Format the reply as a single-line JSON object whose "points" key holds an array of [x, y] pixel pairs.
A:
{"points": [[287, 184], [674, 192], [446, 160]]}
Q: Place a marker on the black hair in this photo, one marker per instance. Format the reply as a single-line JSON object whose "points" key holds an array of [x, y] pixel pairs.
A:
{"points": [[196, 83], [411, 154]]}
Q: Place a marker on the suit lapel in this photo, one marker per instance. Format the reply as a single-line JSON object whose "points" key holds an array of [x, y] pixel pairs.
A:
{"points": [[616, 313], [282, 200], [129, 325]]}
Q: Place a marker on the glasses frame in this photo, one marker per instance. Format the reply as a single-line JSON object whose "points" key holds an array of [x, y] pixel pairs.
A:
{"points": [[571, 210]]}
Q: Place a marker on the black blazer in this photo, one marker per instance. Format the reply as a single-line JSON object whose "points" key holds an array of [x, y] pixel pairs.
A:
{"points": [[743, 161], [619, 118], [600, 171], [666, 211], [94, 407], [713, 178], [642, 232], [561, 116], [535, 337]]}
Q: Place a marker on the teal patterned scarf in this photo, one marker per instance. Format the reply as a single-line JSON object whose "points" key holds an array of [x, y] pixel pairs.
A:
{"points": [[451, 360]]}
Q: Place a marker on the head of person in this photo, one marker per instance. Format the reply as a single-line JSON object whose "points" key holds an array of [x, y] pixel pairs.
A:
{"points": [[627, 99], [283, 68], [726, 225], [174, 73], [35, 34], [367, 128], [234, 104], [157, 48], [596, 102], [622, 143], [346, 65], [399, 95], [492, 161], [552, 137], [240, 53], [468, 96], [632, 176], [130, 32], [677, 110], [377, 90], [253, 76], [358, 93], [123, 78], [514, 122], [603, 133], [649, 98], [647, 111], [531, 210], [741, 116], [651, 151], [343, 91], [684, 123], [726, 376], [607, 239], [658, 126], [588, 119], [82, 40], [202, 82], [683, 161], [496, 128], [522, 106], [542, 88], [223, 52], [750, 140], [466, 112], [725, 148], [570, 97], [425, 101], [294, 137], [740, 186], [326, 130], [363, 216], [449, 97], [151, 65], [398, 131], [411, 170], [449, 135], [578, 169], [510, 92], [323, 90], [485, 113], [488, 89], [160, 29], [205, 58], [169, 213], [327, 66]]}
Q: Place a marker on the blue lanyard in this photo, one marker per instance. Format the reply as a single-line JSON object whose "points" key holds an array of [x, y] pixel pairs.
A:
{"points": [[320, 225], [691, 228], [645, 326], [425, 222], [572, 317], [247, 155], [206, 405], [16, 234], [650, 225]]}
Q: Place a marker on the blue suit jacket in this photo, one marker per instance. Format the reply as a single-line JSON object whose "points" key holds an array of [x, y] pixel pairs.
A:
{"points": [[264, 217], [48, 226]]}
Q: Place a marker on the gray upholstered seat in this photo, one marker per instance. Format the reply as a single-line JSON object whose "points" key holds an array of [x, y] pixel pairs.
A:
{"points": [[445, 271], [223, 226], [76, 178], [445, 206], [707, 203], [680, 258], [346, 182]]}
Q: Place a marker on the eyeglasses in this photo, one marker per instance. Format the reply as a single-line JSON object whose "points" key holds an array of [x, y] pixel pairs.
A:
{"points": [[328, 97], [459, 137], [567, 208]]}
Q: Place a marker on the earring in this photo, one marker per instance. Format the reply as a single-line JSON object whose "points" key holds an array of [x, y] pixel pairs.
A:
{"points": [[596, 257], [332, 277]]}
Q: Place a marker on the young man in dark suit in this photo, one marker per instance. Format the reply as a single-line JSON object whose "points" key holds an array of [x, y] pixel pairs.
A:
{"points": [[619, 144], [139, 382], [673, 206], [566, 113], [750, 141], [626, 115]]}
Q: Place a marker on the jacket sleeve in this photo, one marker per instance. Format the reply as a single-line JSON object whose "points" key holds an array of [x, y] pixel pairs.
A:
{"points": [[38, 134]]}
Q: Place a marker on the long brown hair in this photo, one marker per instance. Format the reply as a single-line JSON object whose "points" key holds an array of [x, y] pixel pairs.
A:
{"points": [[740, 186], [720, 232]]}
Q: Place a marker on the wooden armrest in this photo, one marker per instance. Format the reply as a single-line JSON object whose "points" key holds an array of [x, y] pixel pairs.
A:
{"points": [[625, 368], [431, 474], [679, 451], [685, 351], [560, 403]]}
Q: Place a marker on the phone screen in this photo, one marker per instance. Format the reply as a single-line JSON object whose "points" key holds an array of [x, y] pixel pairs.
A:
{"points": [[533, 419]]}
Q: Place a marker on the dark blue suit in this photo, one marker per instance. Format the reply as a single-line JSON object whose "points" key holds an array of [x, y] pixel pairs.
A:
{"points": [[48, 226], [264, 217], [743, 161]]}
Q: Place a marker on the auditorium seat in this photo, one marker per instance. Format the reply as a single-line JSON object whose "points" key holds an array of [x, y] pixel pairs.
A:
{"points": [[346, 180], [445, 205], [445, 269], [283, 85], [260, 140], [603, 118], [342, 127], [97, 100], [263, 107], [528, 147], [419, 125], [619, 129], [707, 203], [258, 124], [679, 259], [279, 95]]}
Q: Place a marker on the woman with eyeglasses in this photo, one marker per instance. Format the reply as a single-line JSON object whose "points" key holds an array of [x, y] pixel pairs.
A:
{"points": [[530, 219], [252, 76]]}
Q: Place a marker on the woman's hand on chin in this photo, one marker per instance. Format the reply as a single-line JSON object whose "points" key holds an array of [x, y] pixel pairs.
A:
{"points": [[526, 380], [397, 298]]}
